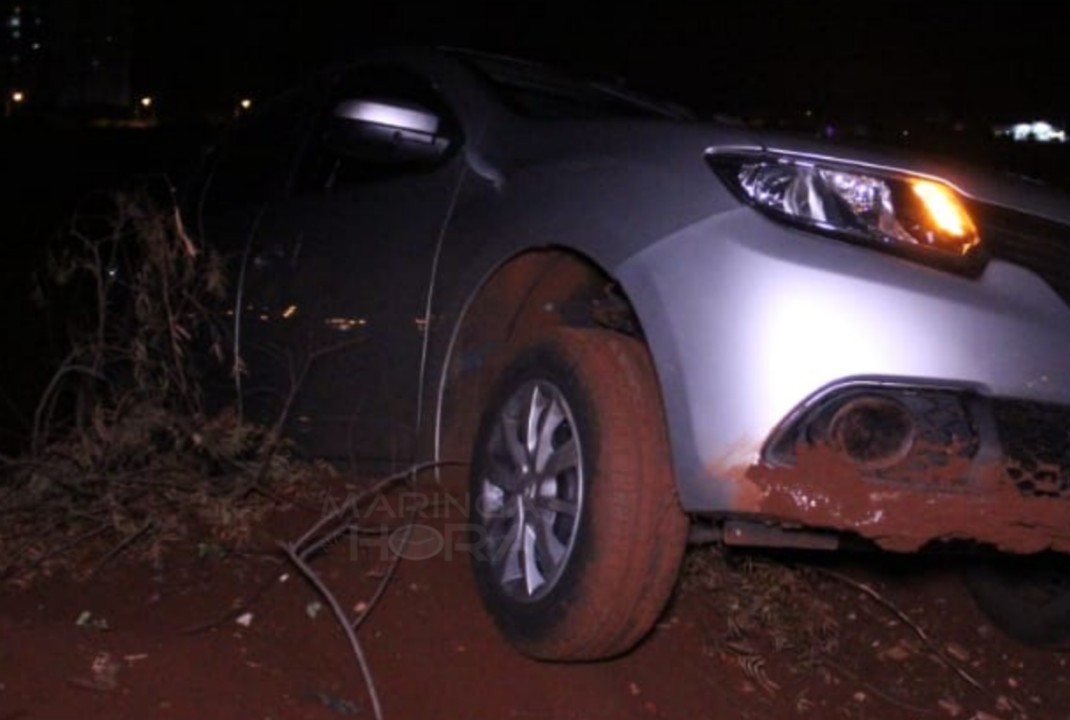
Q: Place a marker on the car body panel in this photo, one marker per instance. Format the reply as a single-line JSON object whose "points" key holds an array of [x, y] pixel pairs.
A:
{"points": [[775, 315], [750, 322]]}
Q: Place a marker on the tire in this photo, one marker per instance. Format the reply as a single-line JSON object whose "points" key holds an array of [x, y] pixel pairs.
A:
{"points": [[1027, 597], [577, 534]]}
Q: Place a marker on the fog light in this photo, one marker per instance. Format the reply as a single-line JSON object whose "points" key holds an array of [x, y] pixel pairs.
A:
{"points": [[874, 432]]}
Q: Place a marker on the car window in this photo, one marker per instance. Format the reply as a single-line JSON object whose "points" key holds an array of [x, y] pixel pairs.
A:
{"points": [[323, 169]]}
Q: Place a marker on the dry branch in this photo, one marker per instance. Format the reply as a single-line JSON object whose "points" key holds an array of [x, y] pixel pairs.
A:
{"points": [[339, 614], [888, 605], [332, 526], [119, 433]]}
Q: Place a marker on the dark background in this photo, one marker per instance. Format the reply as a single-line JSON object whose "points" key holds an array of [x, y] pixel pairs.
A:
{"points": [[932, 75], [883, 66], [970, 59]]}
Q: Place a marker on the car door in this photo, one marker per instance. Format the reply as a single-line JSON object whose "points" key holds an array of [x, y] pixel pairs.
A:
{"points": [[370, 196]]}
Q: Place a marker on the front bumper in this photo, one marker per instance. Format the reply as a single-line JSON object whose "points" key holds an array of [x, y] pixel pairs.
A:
{"points": [[752, 324]]}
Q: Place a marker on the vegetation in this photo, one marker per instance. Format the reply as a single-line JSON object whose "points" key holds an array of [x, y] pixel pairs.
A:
{"points": [[125, 454]]}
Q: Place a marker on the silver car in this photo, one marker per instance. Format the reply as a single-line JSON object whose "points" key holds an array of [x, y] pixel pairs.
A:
{"points": [[632, 326]]}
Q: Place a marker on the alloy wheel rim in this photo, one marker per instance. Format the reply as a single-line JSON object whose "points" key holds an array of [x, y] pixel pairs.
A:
{"points": [[532, 491]]}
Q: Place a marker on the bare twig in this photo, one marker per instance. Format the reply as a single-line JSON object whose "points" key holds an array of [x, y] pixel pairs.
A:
{"points": [[237, 611], [99, 529], [47, 401], [323, 522], [122, 546], [340, 616], [887, 697], [12, 565], [918, 630], [352, 505], [344, 520], [380, 589], [274, 437], [328, 539], [391, 571], [409, 474], [237, 368]]}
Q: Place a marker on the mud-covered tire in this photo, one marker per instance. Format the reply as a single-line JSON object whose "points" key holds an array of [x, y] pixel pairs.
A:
{"points": [[578, 534], [1028, 598]]}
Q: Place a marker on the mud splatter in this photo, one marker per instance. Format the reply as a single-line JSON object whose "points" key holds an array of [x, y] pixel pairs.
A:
{"points": [[956, 498]]}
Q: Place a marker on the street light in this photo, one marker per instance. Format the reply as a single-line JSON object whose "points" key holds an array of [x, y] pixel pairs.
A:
{"points": [[12, 101], [146, 102]]}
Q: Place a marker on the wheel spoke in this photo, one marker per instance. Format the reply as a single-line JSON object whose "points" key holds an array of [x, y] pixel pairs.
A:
{"points": [[535, 410], [492, 498], [532, 577], [507, 554], [551, 419], [500, 513], [517, 452], [551, 550], [557, 505], [562, 458]]}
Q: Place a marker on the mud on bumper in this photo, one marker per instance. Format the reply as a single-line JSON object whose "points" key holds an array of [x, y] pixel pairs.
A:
{"points": [[903, 465]]}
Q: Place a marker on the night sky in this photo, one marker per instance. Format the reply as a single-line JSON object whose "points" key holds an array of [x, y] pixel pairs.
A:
{"points": [[990, 60], [875, 61]]}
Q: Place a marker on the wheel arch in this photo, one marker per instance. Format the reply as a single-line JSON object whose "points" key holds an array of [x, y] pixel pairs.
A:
{"points": [[528, 292]]}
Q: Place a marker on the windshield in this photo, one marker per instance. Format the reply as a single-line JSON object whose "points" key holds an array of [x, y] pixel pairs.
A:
{"points": [[539, 91]]}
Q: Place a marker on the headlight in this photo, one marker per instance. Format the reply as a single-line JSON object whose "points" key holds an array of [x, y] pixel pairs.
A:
{"points": [[898, 212]]}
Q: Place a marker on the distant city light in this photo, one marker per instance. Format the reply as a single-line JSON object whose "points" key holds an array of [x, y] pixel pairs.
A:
{"points": [[17, 97], [245, 103], [146, 102], [344, 324], [1038, 131]]}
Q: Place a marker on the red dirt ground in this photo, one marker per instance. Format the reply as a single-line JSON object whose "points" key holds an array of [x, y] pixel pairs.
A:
{"points": [[749, 639]]}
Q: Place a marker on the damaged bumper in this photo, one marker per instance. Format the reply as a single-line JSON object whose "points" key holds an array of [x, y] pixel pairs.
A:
{"points": [[813, 384], [902, 466]]}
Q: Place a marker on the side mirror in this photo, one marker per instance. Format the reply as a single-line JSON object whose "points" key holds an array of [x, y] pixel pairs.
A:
{"points": [[385, 131]]}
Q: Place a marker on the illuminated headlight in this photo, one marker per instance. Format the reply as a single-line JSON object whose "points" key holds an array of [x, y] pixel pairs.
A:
{"points": [[901, 213]]}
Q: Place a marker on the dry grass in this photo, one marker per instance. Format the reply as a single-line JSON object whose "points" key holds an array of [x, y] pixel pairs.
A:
{"points": [[123, 455], [768, 609]]}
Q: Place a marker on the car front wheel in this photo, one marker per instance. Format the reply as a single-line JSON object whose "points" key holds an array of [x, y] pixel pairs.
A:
{"points": [[578, 533]]}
